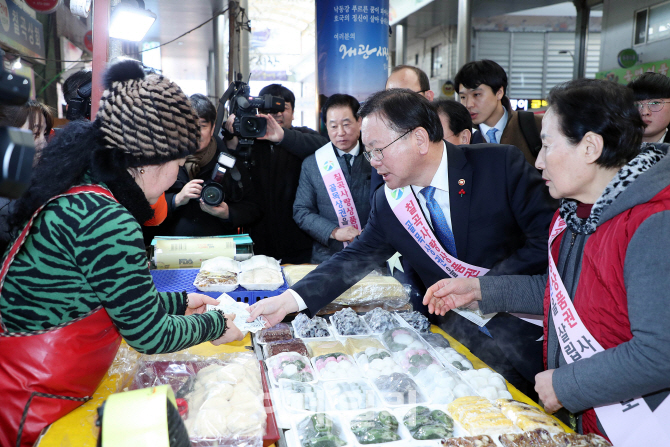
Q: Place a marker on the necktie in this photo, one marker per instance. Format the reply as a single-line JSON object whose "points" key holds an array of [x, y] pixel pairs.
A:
{"points": [[347, 160], [440, 225], [491, 133]]}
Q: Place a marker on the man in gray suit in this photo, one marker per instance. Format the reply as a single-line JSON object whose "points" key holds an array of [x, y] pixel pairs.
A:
{"points": [[331, 203]]}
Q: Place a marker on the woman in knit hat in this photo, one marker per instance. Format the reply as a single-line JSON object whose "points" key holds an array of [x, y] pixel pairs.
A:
{"points": [[75, 280]]}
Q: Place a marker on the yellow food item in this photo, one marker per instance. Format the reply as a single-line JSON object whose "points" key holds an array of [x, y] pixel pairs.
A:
{"points": [[356, 345], [528, 417], [317, 348], [478, 416]]}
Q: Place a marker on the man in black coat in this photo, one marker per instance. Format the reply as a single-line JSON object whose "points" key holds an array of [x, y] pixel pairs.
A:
{"points": [[493, 201], [274, 167]]}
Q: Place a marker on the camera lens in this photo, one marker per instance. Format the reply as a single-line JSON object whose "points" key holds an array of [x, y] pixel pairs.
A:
{"points": [[251, 125], [212, 194]]}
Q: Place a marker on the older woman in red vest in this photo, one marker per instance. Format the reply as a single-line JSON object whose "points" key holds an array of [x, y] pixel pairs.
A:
{"points": [[605, 295]]}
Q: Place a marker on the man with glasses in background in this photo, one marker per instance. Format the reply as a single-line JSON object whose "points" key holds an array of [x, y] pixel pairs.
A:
{"points": [[652, 96], [484, 208]]}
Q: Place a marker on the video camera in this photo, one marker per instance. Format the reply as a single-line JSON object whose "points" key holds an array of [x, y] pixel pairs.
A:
{"points": [[17, 147], [247, 125], [79, 107]]}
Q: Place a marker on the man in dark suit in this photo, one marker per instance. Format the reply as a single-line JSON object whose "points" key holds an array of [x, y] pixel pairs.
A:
{"points": [[491, 200], [482, 88]]}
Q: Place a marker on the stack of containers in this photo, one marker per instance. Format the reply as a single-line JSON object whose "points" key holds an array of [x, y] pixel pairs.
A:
{"points": [[372, 379]]}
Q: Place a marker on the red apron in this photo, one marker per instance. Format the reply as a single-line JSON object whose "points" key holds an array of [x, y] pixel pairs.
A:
{"points": [[46, 374]]}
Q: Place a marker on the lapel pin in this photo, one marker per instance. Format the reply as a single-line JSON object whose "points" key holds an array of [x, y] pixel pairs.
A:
{"points": [[461, 182], [461, 192]]}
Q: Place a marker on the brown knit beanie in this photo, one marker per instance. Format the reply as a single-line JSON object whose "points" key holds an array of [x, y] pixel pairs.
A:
{"points": [[148, 118]]}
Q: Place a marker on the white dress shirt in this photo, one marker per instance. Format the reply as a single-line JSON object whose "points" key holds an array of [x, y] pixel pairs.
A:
{"points": [[500, 126], [441, 183], [354, 152]]}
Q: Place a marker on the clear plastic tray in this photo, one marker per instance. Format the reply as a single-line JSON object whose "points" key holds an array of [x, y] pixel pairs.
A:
{"points": [[292, 345], [443, 387], [404, 437], [345, 395], [305, 434], [412, 418], [399, 389], [375, 362], [345, 366], [487, 383], [277, 365], [300, 334], [364, 326], [299, 397]]}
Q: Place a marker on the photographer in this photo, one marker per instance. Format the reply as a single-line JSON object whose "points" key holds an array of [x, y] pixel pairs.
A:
{"points": [[274, 166], [188, 214], [77, 94]]}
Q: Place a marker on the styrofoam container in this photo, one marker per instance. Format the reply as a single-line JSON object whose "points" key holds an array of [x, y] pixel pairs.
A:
{"points": [[260, 262], [249, 279]]}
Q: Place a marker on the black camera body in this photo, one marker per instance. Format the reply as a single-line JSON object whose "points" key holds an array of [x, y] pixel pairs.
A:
{"points": [[79, 107], [247, 124], [213, 192]]}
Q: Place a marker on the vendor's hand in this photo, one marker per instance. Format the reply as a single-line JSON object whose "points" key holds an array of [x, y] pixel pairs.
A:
{"points": [[273, 309], [221, 210], [197, 303], [545, 390], [274, 132], [232, 143], [345, 234], [447, 294], [191, 190], [232, 332]]}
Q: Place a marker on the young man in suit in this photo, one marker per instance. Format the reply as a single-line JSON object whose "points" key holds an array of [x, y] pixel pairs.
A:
{"points": [[482, 87], [486, 205], [319, 192]]}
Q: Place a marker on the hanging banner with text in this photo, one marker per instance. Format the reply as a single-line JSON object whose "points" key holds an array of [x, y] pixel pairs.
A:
{"points": [[625, 75], [352, 46], [20, 31]]}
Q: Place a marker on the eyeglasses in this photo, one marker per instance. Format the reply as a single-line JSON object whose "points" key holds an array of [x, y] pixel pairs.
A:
{"points": [[654, 106], [377, 153]]}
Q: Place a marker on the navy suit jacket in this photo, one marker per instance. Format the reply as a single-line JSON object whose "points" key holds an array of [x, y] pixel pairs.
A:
{"points": [[500, 223]]}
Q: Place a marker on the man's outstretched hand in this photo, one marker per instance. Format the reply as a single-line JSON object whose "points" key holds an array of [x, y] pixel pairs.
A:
{"points": [[448, 294]]}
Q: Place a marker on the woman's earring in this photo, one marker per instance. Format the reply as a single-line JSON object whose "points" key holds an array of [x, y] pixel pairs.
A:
{"points": [[141, 171]]}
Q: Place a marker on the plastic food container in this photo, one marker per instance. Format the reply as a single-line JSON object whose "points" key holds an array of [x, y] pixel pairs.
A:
{"points": [[321, 347], [399, 389], [321, 429], [291, 366], [380, 320], [335, 365], [299, 397], [312, 328], [351, 395], [281, 331], [347, 323], [375, 362], [292, 345], [487, 383]]}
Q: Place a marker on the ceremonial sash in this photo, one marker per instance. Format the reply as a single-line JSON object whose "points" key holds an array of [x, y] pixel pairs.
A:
{"points": [[336, 185], [629, 423], [406, 208]]}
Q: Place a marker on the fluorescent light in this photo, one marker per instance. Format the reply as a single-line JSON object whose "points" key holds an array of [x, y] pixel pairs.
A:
{"points": [[129, 23]]}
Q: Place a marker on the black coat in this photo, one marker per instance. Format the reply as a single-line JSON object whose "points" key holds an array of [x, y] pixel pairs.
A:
{"points": [[191, 220], [275, 173], [500, 223]]}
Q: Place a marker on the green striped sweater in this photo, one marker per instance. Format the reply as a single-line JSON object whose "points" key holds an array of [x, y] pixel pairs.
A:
{"points": [[85, 251]]}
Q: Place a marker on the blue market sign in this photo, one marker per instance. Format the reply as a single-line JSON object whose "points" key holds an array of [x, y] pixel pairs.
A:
{"points": [[20, 31]]}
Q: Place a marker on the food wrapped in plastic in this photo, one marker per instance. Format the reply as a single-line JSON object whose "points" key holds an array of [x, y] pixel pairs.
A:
{"points": [[356, 345], [451, 357], [290, 365], [443, 386], [351, 395], [320, 430], [260, 262], [424, 423], [208, 281], [221, 264], [415, 319], [399, 389], [211, 387], [261, 279], [576, 440], [487, 383], [478, 416], [335, 365], [347, 322], [373, 288], [380, 320], [376, 361], [280, 331], [470, 441], [534, 438], [299, 396], [306, 327], [375, 427], [527, 417], [400, 338], [414, 361], [436, 340], [292, 345], [321, 347]]}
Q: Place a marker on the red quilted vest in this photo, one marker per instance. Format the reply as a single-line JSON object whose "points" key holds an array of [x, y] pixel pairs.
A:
{"points": [[600, 298]]}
